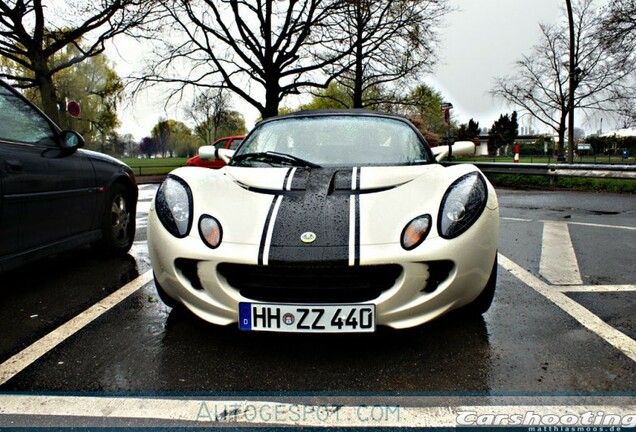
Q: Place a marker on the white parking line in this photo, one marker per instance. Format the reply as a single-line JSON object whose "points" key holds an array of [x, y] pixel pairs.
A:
{"points": [[595, 225], [623, 227], [558, 260], [33, 352], [618, 340], [245, 412], [597, 288], [516, 219]]}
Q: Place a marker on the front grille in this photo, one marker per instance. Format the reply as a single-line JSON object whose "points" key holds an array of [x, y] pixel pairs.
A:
{"points": [[310, 284]]}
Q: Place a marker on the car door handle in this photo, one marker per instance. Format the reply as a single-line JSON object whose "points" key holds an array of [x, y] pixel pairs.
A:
{"points": [[13, 165]]}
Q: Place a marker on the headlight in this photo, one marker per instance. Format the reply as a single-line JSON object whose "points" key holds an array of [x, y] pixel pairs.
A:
{"points": [[463, 203], [415, 232], [210, 231], [174, 206]]}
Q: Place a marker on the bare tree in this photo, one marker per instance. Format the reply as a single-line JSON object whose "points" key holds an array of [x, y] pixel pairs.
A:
{"points": [[617, 32], [32, 32], [207, 111], [262, 50], [602, 81], [388, 40], [619, 25]]}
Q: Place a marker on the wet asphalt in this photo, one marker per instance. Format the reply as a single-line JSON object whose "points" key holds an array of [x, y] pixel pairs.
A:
{"points": [[524, 343]]}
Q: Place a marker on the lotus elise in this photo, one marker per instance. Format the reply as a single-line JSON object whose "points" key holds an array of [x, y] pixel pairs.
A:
{"points": [[326, 222]]}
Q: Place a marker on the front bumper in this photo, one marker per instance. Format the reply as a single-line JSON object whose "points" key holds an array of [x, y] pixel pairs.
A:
{"points": [[436, 277]]}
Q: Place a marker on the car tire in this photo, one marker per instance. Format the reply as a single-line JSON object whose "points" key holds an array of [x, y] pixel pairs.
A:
{"points": [[482, 303], [118, 222], [165, 297]]}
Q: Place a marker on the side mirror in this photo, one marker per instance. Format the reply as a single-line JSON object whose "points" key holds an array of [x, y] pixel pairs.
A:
{"points": [[71, 140], [464, 148], [212, 153], [460, 148], [207, 153]]}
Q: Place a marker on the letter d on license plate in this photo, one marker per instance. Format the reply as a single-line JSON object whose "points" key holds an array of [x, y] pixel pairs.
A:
{"points": [[307, 318]]}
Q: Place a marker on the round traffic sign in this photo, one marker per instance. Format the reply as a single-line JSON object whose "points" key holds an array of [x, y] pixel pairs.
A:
{"points": [[73, 108]]}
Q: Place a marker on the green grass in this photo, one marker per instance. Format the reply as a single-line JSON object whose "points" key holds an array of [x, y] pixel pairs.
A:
{"points": [[519, 181], [154, 166]]}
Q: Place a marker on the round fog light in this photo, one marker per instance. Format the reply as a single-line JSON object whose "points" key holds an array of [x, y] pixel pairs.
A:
{"points": [[210, 231]]}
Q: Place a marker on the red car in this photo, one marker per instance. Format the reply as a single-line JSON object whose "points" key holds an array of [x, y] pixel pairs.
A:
{"points": [[231, 142]]}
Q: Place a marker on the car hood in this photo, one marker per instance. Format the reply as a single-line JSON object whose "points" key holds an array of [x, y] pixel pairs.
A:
{"points": [[366, 179], [321, 215]]}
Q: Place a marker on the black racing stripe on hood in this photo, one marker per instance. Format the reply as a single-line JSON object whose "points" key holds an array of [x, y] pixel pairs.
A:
{"points": [[312, 206]]}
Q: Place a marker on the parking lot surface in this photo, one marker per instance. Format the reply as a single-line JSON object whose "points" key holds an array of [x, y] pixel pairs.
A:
{"points": [[562, 324]]}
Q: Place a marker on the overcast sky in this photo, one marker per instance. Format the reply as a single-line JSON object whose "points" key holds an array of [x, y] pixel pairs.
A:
{"points": [[481, 41]]}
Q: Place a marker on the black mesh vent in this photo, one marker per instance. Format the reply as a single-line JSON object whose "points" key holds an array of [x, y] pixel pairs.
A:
{"points": [[310, 284]]}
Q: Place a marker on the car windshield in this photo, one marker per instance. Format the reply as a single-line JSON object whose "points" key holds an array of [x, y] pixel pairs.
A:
{"points": [[338, 140]]}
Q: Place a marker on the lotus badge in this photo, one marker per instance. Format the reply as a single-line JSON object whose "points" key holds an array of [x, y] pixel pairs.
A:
{"points": [[308, 237]]}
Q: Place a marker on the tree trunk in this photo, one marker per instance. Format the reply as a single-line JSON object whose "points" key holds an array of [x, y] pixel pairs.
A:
{"points": [[571, 86], [357, 85], [272, 100], [561, 139], [48, 96], [563, 127]]}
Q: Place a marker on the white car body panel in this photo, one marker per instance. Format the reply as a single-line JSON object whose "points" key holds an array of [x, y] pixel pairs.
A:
{"points": [[241, 198]]}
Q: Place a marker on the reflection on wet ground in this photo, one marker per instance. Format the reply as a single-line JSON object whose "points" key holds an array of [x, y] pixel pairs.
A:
{"points": [[38, 298], [410, 360]]}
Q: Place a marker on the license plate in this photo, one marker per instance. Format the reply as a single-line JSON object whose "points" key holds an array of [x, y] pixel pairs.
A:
{"points": [[307, 318]]}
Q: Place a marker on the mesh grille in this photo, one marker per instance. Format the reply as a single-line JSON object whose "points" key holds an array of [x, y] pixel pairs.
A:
{"points": [[310, 284]]}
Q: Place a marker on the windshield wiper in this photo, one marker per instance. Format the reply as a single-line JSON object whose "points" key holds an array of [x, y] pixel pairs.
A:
{"points": [[271, 156]]}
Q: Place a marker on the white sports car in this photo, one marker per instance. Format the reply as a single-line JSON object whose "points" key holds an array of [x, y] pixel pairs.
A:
{"points": [[328, 221]]}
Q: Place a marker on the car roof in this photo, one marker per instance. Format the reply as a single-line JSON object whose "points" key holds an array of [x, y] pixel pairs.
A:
{"points": [[232, 137], [358, 112]]}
